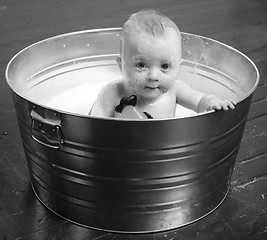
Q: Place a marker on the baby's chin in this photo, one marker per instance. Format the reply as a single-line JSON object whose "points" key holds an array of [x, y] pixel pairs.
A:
{"points": [[146, 92], [152, 94]]}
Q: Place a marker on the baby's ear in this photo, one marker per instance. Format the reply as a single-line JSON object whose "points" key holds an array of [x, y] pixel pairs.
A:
{"points": [[118, 60]]}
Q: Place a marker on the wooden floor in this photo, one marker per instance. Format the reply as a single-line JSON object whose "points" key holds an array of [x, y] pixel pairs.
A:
{"points": [[239, 23]]}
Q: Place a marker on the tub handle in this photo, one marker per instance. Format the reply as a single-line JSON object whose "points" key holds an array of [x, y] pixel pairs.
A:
{"points": [[46, 130]]}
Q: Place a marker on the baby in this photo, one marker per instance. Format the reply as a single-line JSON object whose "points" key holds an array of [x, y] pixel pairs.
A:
{"points": [[150, 58]]}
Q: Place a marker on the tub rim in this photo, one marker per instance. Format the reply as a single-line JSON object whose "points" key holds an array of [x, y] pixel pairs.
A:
{"points": [[113, 29]]}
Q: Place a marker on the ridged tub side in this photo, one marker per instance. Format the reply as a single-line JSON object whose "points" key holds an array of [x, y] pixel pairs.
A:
{"points": [[130, 176]]}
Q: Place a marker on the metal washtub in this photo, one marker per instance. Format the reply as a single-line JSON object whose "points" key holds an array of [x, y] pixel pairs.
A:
{"points": [[130, 176]]}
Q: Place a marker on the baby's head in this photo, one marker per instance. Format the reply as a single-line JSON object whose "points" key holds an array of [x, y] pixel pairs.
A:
{"points": [[150, 53], [147, 21]]}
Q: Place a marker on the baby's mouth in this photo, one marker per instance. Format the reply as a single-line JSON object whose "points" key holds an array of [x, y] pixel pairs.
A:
{"points": [[151, 87]]}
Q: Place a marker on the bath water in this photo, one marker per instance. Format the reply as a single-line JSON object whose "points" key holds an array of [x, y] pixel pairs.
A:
{"points": [[73, 86]]}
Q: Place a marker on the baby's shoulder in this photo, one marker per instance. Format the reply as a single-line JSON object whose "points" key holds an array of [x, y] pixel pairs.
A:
{"points": [[180, 83], [111, 88], [112, 85], [181, 86], [111, 91]]}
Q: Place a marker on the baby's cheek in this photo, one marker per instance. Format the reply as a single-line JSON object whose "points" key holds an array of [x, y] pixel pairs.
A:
{"points": [[137, 78], [169, 81], [137, 83], [134, 83]]}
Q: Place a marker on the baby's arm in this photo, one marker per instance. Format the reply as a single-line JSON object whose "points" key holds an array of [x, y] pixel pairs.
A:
{"points": [[209, 102], [199, 101], [105, 102]]}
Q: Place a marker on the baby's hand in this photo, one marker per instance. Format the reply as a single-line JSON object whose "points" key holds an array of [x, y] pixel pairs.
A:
{"points": [[211, 102], [223, 104]]}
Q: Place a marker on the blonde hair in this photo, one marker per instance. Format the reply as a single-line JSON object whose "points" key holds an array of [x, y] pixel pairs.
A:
{"points": [[148, 21]]}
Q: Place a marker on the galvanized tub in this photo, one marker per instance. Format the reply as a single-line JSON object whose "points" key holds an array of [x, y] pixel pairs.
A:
{"points": [[131, 176]]}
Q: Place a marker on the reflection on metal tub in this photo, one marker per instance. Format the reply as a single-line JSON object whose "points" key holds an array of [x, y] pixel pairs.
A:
{"points": [[126, 175]]}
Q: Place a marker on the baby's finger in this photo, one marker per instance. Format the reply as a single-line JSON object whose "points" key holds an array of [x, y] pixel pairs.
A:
{"points": [[231, 104], [225, 105], [216, 106]]}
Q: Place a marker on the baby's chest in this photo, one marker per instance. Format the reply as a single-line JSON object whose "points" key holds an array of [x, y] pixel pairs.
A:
{"points": [[162, 108]]}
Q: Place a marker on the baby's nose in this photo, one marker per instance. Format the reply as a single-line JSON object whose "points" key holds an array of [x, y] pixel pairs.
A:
{"points": [[153, 75]]}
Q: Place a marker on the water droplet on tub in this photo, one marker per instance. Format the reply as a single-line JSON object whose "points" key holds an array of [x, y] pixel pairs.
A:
{"points": [[64, 45], [87, 44], [203, 59], [207, 43], [186, 39]]}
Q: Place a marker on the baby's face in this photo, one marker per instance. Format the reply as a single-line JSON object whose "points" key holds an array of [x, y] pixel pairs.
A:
{"points": [[151, 64]]}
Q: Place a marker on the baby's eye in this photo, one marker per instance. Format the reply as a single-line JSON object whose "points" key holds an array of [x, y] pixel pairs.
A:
{"points": [[140, 65], [165, 66]]}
